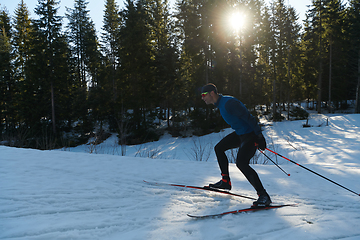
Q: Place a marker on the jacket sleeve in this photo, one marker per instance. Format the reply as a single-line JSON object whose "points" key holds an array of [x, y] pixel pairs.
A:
{"points": [[237, 109]]}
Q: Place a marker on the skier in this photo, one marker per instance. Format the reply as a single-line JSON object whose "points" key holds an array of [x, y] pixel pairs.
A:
{"points": [[247, 137]]}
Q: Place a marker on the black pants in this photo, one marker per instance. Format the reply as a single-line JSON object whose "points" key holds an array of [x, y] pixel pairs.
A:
{"points": [[247, 149]]}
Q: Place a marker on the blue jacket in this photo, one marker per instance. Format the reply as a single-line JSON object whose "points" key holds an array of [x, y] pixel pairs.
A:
{"points": [[237, 116]]}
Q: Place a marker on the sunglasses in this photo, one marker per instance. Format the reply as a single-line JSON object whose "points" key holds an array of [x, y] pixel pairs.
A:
{"points": [[204, 94]]}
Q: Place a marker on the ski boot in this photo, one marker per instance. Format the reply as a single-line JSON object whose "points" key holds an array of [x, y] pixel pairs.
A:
{"points": [[263, 200], [224, 183]]}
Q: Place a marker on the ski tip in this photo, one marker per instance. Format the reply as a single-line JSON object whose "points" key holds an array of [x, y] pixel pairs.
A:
{"points": [[289, 174]]}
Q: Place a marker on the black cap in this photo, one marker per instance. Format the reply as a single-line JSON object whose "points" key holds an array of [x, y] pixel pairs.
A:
{"points": [[208, 88]]}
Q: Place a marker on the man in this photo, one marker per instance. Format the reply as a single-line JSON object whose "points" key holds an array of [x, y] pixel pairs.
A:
{"points": [[247, 137]]}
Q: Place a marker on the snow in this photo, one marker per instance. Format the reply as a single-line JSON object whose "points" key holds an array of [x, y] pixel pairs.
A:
{"points": [[71, 194]]}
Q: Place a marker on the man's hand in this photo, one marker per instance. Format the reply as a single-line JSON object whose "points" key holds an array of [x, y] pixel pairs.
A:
{"points": [[261, 142]]}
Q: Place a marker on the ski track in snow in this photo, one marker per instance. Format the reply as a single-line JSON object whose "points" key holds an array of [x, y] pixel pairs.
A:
{"points": [[75, 195]]}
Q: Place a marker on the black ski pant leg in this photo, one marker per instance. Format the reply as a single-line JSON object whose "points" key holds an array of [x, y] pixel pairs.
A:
{"points": [[246, 152], [230, 141]]}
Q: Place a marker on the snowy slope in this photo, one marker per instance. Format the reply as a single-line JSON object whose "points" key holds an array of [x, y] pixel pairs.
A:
{"points": [[76, 195]]}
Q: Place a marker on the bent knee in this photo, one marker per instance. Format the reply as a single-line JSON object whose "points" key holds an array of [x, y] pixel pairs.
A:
{"points": [[243, 166], [218, 148]]}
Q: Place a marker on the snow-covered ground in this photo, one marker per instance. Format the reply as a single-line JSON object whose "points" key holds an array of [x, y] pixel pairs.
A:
{"points": [[71, 194]]}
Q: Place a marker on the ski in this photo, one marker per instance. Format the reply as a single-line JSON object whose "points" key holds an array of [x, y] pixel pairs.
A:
{"points": [[251, 209], [202, 188]]}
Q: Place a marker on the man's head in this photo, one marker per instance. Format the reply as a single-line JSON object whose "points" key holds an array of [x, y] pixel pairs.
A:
{"points": [[209, 93]]}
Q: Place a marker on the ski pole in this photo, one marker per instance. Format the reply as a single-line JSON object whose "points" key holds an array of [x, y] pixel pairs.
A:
{"points": [[313, 172], [274, 162]]}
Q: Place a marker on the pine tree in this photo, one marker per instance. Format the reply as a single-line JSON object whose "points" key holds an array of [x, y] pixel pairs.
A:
{"points": [[165, 61], [136, 67], [278, 51], [83, 42], [21, 39], [22, 45], [353, 53], [86, 57], [293, 85], [313, 52], [105, 95], [48, 33], [188, 22], [111, 28], [324, 48], [193, 64], [335, 55], [7, 84], [266, 41], [110, 43]]}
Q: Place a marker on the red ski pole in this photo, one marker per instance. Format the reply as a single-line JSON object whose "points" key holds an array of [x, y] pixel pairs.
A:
{"points": [[313, 171], [274, 162]]}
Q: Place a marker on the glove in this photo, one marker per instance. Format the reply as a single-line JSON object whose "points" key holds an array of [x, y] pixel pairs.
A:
{"points": [[261, 142]]}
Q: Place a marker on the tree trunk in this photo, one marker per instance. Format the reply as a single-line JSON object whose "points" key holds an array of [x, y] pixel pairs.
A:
{"points": [[320, 67], [53, 108], [274, 95], [329, 104], [357, 104]]}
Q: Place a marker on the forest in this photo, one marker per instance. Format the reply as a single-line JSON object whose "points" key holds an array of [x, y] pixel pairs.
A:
{"points": [[61, 84]]}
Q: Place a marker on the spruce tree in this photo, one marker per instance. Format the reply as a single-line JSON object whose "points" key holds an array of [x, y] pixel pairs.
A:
{"points": [[47, 37], [7, 83], [313, 50], [335, 53], [166, 82], [85, 56], [353, 52], [266, 41], [108, 85], [106, 95], [136, 68], [293, 82], [83, 42], [22, 45]]}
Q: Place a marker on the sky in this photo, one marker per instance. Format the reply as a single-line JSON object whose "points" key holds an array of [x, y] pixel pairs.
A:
{"points": [[97, 8]]}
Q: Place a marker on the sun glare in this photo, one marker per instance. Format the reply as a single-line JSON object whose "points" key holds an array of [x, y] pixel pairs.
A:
{"points": [[236, 20]]}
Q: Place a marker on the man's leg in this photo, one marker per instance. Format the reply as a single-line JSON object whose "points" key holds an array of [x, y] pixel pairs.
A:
{"points": [[246, 152], [230, 141]]}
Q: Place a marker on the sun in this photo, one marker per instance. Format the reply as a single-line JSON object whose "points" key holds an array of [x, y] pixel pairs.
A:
{"points": [[236, 20]]}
